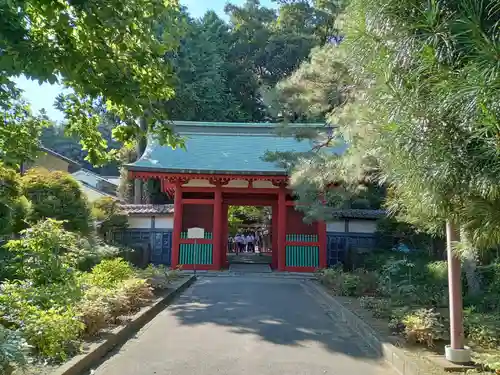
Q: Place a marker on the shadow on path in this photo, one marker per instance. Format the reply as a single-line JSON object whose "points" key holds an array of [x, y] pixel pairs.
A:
{"points": [[281, 312]]}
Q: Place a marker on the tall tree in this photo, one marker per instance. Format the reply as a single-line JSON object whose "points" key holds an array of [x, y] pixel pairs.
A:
{"points": [[396, 95], [20, 129], [110, 54], [272, 47], [224, 68], [425, 117], [200, 65], [222, 71]]}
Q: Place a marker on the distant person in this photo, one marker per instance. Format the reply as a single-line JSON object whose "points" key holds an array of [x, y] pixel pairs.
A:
{"points": [[240, 242], [250, 240]]}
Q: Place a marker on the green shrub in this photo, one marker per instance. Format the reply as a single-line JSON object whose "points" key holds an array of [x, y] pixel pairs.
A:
{"points": [[43, 315], [485, 302], [45, 254], [113, 301], [367, 283], [489, 360], [380, 307], [95, 254], [425, 326], [9, 268], [10, 184], [482, 329], [158, 277], [94, 314], [357, 283], [57, 195], [12, 350], [20, 215], [490, 275], [328, 276], [53, 333], [335, 279], [13, 216], [18, 294], [415, 283], [137, 291], [110, 272], [118, 304], [10, 194], [437, 272], [110, 216]]}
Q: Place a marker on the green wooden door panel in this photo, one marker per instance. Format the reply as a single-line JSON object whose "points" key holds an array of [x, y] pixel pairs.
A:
{"points": [[302, 256], [204, 254]]}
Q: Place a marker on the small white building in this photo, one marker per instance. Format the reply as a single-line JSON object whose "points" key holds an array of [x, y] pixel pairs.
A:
{"points": [[149, 216], [362, 221]]}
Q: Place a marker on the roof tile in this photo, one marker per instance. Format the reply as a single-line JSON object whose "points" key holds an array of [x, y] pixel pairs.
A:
{"points": [[353, 213], [147, 209], [221, 147]]}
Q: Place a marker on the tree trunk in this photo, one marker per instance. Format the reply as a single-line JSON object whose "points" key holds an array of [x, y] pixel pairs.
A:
{"points": [[469, 259], [137, 191], [146, 192], [139, 186]]}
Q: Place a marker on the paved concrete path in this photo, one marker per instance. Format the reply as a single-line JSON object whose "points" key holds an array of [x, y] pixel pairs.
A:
{"points": [[245, 326]]}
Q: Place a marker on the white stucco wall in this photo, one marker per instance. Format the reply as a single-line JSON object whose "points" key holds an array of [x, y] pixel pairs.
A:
{"points": [[335, 226], [237, 184], [164, 222], [196, 182], [264, 185], [362, 226], [142, 222]]}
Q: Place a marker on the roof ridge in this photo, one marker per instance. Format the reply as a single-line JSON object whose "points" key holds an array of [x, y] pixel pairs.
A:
{"points": [[58, 155], [88, 171], [244, 124]]}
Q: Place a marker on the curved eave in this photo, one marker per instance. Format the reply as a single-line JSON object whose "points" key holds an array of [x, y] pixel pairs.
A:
{"points": [[134, 168]]}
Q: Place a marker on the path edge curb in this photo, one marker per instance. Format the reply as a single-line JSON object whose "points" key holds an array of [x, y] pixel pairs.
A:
{"points": [[393, 355], [120, 335]]}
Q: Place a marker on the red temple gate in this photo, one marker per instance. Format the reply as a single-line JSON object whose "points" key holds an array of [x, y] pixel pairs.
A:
{"points": [[296, 246], [224, 165]]}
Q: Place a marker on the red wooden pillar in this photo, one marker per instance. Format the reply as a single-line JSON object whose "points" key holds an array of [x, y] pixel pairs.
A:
{"points": [[322, 239], [282, 229], [176, 235], [217, 226], [274, 237], [225, 234]]}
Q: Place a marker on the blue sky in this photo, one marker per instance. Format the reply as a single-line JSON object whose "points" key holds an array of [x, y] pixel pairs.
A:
{"points": [[43, 96]]}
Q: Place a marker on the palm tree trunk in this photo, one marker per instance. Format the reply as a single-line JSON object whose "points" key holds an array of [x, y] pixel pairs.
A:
{"points": [[469, 259]]}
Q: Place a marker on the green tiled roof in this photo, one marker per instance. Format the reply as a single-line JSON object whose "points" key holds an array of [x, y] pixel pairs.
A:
{"points": [[220, 148]]}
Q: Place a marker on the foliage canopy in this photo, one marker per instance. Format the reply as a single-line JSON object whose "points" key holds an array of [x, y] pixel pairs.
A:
{"points": [[414, 90], [111, 55], [57, 195]]}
